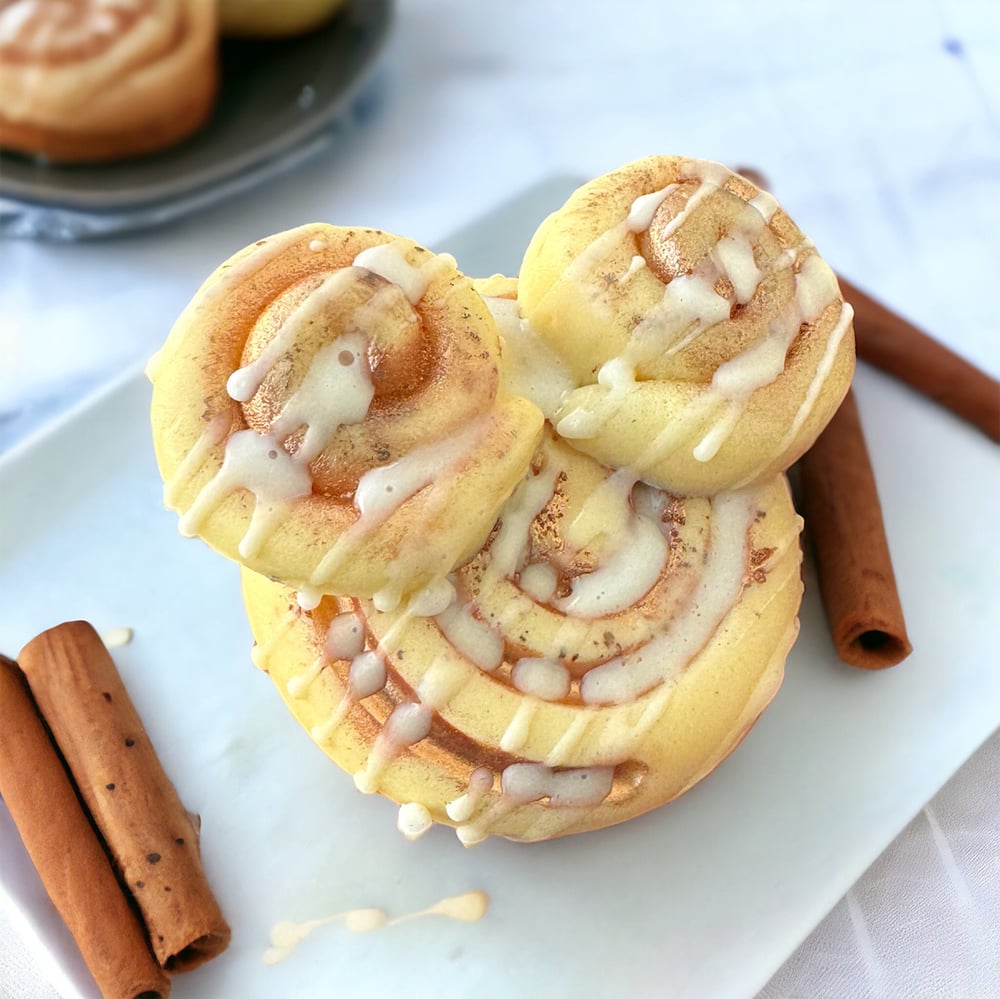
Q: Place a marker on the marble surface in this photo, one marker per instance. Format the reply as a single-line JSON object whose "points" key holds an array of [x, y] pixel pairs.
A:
{"points": [[879, 126]]}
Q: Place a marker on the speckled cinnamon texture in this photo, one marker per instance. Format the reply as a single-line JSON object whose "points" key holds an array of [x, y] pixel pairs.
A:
{"points": [[68, 853], [134, 805]]}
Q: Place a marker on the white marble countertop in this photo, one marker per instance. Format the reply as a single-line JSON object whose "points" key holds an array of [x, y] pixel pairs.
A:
{"points": [[879, 126]]}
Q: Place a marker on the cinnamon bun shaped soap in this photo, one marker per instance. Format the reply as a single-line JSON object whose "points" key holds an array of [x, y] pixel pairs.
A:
{"points": [[707, 341], [608, 645], [99, 80], [328, 412]]}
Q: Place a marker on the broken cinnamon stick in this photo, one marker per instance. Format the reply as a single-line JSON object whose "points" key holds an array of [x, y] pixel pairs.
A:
{"points": [[844, 518], [67, 852], [888, 341], [132, 801]]}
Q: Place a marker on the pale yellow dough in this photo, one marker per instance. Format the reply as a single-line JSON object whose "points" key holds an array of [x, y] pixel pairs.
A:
{"points": [[709, 322], [658, 741], [527, 563], [436, 402]]}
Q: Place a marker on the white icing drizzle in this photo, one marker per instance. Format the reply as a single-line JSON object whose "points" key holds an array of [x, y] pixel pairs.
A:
{"points": [[414, 819], [317, 244], [633, 549], [734, 255], [531, 368], [435, 598], [541, 677], [736, 380], [213, 435], [366, 675], [515, 735], [383, 490], [570, 739], [117, 637], [476, 640], [286, 936], [628, 676], [308, 598], [823, 369], [690, 305], [465, 805], [336, 391], [260, 652], [635, 265], [579, 424], [625, 574], [251, 261], [640, 214], [388, 260], [764, 203], [522, 784], [820, 376], [507, 551], [244, 382], [539, 581], [577, 786], [345, 636], [406, 726], [259, 464], [440, 683]]}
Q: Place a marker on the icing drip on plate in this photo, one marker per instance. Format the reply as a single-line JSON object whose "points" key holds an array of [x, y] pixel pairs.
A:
{"points": [[285, 937]]}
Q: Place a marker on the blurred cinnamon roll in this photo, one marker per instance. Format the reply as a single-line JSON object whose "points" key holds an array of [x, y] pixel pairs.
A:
{"points": [[327, 411], [93, 80]]}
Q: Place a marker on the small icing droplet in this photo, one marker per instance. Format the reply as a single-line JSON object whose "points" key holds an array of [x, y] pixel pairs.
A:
{"points": [[433, 599], [308, 599], [117, 637], [414, 819]]}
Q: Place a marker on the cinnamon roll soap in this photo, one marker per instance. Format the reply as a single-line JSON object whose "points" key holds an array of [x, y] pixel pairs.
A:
{"points": [[99, 80], [707, 340], [519, 554]]}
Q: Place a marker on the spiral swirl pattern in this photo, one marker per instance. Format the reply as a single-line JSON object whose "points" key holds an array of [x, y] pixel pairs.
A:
{"points": [[707, 341], [102, 79], [327, 411], [584, 670]]}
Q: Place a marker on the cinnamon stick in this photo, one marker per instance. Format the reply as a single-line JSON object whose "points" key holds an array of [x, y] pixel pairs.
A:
{"points": [[67, 852], [132, 801], [888, 341], [844, 518]]}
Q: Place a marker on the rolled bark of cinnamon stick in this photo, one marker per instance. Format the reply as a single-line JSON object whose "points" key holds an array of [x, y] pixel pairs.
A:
{"points": [[132, 801], [844, 518], [67, 852], [888, 341]]}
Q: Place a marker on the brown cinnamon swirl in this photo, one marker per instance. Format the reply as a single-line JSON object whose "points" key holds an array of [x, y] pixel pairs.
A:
{"points": [[606, 648], [708, 343], [327, 411]]}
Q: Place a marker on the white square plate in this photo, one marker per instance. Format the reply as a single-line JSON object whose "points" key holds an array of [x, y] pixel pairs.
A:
{"points": [[705, 897]]}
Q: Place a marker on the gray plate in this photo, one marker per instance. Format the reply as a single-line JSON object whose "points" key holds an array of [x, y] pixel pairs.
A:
{"points": [[280, 102]]}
